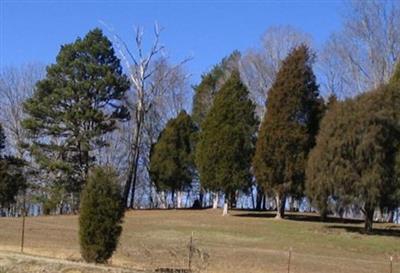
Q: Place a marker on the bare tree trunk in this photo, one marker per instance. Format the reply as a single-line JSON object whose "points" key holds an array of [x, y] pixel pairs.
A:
{"points": [[179, 199], [136, 154], [264, 202], [215, 200], [369, 219], [201, 197], [162, 200], [390, 217], [259, 198], [280, 205], [225, 211]]}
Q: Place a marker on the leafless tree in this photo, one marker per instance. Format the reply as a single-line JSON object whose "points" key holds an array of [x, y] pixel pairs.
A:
{"points": [[16, 85], [157, 93], [259, 66], [363, 54]]}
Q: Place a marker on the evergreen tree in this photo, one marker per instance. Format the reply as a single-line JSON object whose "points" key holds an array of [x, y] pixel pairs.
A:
{"points": [[355, 157], [396, 76], [211, 82], [78, 102], [171, 159], [226, 142], [101, 214], [12, 180], [288, 129]]}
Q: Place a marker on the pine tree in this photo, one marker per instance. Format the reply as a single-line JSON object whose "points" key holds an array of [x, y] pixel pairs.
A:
{"points": [[226, 141], [78, 102], [288, 129], [171, 159], [101, 213]]}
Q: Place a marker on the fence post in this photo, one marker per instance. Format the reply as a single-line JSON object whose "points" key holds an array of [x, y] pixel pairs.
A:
{"points": [[23, 225], [190, 252], [391, 264], [290, 257]]}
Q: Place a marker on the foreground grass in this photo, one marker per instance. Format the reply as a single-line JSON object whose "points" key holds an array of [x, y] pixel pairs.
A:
{"points": [[241, 242]]}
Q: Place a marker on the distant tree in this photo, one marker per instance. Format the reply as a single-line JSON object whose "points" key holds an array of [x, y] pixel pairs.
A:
{"points": [[226, 142], [356, 154], [258, 67], [101, 213], [363, 54], [172, 156], [288, 129], [17, 84], [78, 102]]}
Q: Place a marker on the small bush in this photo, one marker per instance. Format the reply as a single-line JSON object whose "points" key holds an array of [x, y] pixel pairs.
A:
{"points": [[101, 214]]}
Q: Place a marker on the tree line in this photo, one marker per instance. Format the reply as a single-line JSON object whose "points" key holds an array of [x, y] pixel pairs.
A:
{"points": [[258, 124]]}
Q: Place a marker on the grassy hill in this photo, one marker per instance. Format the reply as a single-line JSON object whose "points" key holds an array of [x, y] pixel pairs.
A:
{"points": [[242, 242]]}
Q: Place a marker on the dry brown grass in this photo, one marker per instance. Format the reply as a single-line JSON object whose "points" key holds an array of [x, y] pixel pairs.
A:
{"points": [[243, 242]]}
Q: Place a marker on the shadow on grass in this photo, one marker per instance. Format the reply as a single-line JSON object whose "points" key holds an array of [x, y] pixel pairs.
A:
{"points": [[389, 231], [344, 224], [302, 217]]}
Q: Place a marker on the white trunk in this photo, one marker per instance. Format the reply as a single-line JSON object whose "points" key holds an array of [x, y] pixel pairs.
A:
{"points": [[162, 200], [225, 211], [215, 200], [179, 199]]}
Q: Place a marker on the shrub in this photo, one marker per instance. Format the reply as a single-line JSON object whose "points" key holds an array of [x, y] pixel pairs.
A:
{"points": [[101, 214]]}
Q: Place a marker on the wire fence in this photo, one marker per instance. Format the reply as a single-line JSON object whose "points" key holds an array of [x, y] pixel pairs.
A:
{"points": [[189, 253]]}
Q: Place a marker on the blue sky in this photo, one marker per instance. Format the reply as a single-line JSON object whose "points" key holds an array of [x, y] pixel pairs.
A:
{"points": [[32, 31]]}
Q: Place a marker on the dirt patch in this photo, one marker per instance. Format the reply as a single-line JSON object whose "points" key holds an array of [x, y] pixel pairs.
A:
{"points": [[19, 263]]}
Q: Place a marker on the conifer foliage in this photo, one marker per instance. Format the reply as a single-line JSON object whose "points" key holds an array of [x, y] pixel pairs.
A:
{"points": [[355, 160], [289, 127], [210, 84], [12, 180], [101, 214], [226, 142], [172, 157], [78, 102]]}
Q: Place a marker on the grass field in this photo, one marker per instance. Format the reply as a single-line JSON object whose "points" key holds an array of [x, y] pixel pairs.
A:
{"points": [[242, 242]]}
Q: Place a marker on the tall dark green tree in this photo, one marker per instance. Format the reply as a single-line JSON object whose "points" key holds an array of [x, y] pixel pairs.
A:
{"points": [[288, 129], [78, 102], [101, 215], [172, 157], [226, 142], [205, 92]]}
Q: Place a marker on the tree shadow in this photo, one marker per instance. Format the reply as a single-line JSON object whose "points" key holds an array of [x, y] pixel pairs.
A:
{"points": [[345, 224], [302, 217], [388, 231]]}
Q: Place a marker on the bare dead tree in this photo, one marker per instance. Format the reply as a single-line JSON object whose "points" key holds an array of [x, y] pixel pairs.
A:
{"points": [[153, 80], [363, 54], [16, 85]]}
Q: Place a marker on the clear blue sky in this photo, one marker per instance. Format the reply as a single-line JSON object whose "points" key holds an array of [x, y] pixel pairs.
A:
{"points": [[32, 31]]}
